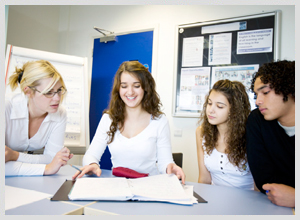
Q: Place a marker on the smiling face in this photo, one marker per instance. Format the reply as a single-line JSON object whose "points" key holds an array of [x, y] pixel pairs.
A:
{"points": [[40, 104], [217, 109], [271, 105], [131, 91]]}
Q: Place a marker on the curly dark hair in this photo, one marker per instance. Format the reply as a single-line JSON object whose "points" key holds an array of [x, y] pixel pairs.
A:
{"points": [[236, 94], [150, 102], [280, 75]]}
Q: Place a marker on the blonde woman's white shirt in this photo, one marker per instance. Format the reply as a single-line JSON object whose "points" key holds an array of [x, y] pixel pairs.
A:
{"points": [[50, 135], [148, 152]]}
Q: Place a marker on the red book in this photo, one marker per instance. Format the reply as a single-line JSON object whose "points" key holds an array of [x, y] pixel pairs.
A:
{"points": [[128, 173]]}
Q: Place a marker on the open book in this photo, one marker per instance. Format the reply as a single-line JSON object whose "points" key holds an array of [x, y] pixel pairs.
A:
{"points": [[163, 188]]}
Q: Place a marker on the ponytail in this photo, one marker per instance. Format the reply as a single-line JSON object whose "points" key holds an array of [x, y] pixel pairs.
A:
{"points": [[16, 78]]}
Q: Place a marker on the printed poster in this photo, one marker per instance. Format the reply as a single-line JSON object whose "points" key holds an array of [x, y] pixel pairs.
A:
{"points": [[256, 41], [219, 49], [192, 51], [194, 86], [242, 73]]}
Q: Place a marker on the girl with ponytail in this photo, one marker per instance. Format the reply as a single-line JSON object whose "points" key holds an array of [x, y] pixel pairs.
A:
{"points": [[34, 120]]}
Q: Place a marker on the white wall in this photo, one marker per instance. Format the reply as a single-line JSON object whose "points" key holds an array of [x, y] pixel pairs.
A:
{"points": [[75, 37], [34, 27]]}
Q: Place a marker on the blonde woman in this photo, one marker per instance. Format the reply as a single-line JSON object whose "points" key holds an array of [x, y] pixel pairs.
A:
{"points": [[35, 119]]}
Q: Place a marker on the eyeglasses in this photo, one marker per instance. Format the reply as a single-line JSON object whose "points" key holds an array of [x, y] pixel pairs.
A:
{"points": [[50, 94]]}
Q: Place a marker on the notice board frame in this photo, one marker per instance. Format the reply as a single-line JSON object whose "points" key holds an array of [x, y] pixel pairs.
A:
{"points": [[260, 21]]}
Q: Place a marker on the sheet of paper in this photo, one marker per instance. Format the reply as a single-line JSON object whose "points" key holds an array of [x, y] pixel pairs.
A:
{"points": [[158, 187], [219, 49], [15, 197], [192, 51], [194, 86], [100, 189], [256, 41], [188, 191]]}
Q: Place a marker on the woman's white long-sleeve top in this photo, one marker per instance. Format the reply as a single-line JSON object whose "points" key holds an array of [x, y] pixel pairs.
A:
{"points": [[148, 152], [50, 135]]}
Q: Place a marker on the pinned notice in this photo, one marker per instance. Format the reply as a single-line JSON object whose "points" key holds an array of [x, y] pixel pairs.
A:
{"points": [[256, 41]]}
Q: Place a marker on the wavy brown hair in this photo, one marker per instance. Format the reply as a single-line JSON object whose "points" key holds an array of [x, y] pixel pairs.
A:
{"points": [[236, 94], [150, 102]]}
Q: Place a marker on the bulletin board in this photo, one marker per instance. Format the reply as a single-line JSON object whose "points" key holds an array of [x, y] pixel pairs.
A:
{"points": [[231, 48], [74, 72]]}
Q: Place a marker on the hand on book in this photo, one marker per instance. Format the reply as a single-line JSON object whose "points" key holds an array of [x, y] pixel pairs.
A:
{"points": [[173, 168], [89, 170]]}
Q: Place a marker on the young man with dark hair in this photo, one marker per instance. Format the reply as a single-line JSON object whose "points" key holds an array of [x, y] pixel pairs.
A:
{"points": [[271, 132]]}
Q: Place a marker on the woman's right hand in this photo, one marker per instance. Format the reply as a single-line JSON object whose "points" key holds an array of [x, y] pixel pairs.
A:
{"points": [[88, 169], [61, 158], [10, 155]]}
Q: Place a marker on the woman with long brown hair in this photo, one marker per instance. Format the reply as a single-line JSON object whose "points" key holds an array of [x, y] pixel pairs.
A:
{"points": [[134, 128], [221, 141]]}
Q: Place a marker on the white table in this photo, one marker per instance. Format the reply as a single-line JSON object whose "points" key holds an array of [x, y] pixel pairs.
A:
{"points": [[221, 200]]}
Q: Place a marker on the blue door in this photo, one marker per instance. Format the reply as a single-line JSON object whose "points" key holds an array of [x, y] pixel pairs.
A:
{"points": [[107, 57]]}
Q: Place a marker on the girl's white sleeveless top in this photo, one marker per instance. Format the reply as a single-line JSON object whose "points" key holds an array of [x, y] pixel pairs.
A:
{"points": [[224, 173]]}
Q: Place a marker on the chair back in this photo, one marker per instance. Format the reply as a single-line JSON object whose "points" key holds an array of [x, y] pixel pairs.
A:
{"points": [[177, 157]]}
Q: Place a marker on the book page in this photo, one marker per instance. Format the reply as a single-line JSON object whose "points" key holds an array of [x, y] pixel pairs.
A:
{"points": [[92, 188], [162, 187]]}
